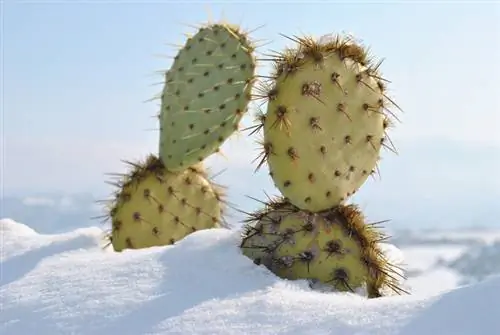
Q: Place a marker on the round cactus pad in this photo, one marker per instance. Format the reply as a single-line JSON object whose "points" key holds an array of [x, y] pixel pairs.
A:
{"points": [[325, 123], [334, 247], [207, 91], [155, 207]]}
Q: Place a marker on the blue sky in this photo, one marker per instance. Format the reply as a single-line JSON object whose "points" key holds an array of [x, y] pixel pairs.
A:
{"points": [[76, 75]]}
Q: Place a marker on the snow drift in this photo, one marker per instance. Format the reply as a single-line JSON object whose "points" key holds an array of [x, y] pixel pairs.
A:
{"points": [[66, 284]]}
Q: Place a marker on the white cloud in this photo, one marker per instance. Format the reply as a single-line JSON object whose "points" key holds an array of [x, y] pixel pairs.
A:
{"points": [[62, 203], [38, 201]]}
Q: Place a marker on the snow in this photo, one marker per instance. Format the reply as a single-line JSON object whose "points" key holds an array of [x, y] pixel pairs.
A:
{"points": [[67, 284], [424, 258], [426, 268], [471, 309], [435, 281]]}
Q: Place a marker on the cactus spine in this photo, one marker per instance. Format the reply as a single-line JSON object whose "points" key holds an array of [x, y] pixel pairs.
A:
{"points": [[323, 131], [155, 207], [334, 247], [206, 93], [325, 123]]}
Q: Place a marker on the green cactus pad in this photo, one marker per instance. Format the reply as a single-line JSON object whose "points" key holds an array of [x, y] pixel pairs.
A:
{"points": [[206, 93], [335, 247], [325, 123], [156, 207]]}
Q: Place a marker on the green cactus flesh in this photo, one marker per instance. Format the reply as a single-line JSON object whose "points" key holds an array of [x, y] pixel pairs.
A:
{"points": [[156, 207], [335, 247], [325, 123], [206, 93]]}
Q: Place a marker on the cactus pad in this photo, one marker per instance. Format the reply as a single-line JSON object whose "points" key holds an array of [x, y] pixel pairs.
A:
{"points": [[207, 91], [156, 207], [325, 123], [334, 247]]}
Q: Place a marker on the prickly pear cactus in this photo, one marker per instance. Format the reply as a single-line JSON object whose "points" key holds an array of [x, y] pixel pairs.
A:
{"points": [[326, 121], [335, 247], [207, 91], [156, 207]]}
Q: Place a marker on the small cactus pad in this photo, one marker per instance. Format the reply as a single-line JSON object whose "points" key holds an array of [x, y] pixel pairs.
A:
{"points": [[325, 123], [334, 247], [207, 91], [155, 207]]}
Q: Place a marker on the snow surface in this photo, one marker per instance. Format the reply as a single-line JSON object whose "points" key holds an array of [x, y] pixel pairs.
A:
{"points": [[67, 284]]}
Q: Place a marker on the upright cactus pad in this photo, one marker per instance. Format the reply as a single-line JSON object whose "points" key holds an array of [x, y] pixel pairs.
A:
{"points": [[156, 207], [325, 123], [335, 247], [207, 91]]}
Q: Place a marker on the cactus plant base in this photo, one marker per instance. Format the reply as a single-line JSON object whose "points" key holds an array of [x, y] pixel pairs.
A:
{"points": [[334, 247], [156, 207]]}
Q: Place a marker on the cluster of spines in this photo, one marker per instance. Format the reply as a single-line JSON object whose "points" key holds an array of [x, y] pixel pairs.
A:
{"points": [[288, 62], [216, 133], [366, 235], [208, 135], [138, 171]]}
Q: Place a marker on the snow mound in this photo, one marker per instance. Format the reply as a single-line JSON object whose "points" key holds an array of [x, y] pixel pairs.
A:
{"points": [[67, 284], [472, 309]]}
